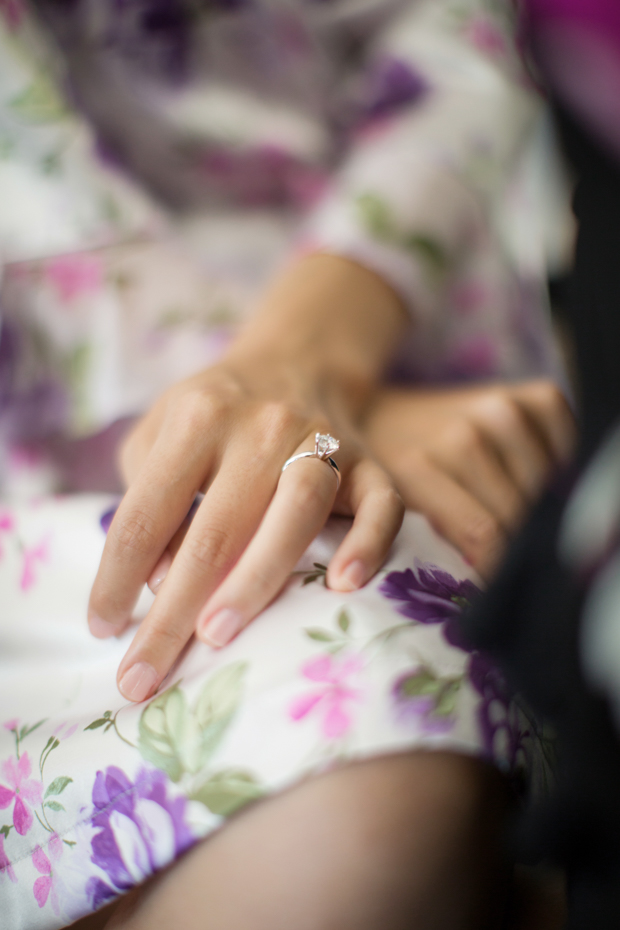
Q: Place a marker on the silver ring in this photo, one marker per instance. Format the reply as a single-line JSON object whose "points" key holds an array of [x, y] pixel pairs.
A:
{"points": [[324, 445]]}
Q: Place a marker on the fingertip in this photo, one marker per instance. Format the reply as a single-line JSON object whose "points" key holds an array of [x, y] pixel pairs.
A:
{"points": [[218, 629], [138, 682], [351, 578], [100, 628], [158, 575]]}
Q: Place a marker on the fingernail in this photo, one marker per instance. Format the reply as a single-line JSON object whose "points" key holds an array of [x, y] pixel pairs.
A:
{"points": [[100, 628], [138, 682], [159, 572], [353, 576], [221, 627]]}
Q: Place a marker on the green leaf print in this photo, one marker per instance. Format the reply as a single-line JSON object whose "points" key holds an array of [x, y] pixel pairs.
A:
{"points": [[446, 703], [58, 785], [216, 705], [26, 730], [96, 724], [54, 805], [428, 249], [179, 740], [320, 636], [39, 102], [227, 791], [344, 621], [421, 682], [4, 830], [158, 729], [377, 217]]}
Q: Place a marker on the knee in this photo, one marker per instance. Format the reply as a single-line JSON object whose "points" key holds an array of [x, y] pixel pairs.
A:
{"points": [[399, 841]]}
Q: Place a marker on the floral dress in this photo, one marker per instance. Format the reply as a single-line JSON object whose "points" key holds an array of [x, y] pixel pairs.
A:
{"points": [[135, 233]]}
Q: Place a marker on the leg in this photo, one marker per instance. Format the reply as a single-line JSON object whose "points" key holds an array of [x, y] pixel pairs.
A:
{"points": [[403, 841]]}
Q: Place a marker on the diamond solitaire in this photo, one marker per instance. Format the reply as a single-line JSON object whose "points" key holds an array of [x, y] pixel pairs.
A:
{"points": [[325, 445]]}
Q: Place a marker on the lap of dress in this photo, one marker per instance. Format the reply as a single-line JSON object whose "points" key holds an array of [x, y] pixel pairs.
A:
{"points": [[96, 794]]}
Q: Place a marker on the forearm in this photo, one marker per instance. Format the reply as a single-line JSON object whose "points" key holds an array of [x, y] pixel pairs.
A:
{"points": [[321, 336]]}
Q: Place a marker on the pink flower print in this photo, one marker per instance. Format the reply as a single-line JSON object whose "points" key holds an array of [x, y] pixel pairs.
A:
{"points": [[74, 275], [44, 887], [7, 524], [13, 11], [5, 865], [333, 696], [11, 725], [486, 37], [21, 788], [477, 356], [31, 555], [469, 296], [60, 735]]}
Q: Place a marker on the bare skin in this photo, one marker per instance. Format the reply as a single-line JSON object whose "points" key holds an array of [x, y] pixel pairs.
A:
{"points": [[426, 852], [391, 841], [472, 459], [306, 363], [310, 360]]}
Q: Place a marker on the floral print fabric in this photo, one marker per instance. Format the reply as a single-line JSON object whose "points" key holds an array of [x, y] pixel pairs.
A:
{"points": [[97, 794], [405, 136]]}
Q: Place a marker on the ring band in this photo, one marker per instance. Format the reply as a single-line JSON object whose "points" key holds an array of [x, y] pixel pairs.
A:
{"points": [[324, 445]]}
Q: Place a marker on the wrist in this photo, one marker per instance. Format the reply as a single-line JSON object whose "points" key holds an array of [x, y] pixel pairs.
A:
{"points": [[321, 335]]}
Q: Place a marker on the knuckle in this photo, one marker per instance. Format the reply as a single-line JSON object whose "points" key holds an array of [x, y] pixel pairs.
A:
{"points": [[418, 460], [310, 494], [550, 396], [135, 531], [200, 408], [388, 499], [209, 550], [171, 637], [501, 409], [277, 418], [274, 423], [464, 437], [483, 532]]}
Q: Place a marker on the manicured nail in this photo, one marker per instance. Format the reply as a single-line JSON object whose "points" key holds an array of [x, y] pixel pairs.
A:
{"points": [[100, 628], [353, 576], [221, 627], [138, 682], [159, 572]]}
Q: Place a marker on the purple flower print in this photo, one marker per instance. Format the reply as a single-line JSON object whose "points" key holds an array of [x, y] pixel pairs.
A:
{"points": [[426, 701], [22, 789], [141, 830], [430, 595], [333, 695], [477, 356], [45, 885], [500, 727], [390, 85], [107, 517], [5, 865]]}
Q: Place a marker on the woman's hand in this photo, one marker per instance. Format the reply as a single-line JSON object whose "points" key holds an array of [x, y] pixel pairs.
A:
{"points": [[227, 433], [472, 459]]}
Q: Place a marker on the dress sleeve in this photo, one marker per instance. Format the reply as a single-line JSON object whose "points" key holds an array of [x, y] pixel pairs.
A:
{"points": [[55, 193], [446, 109]]}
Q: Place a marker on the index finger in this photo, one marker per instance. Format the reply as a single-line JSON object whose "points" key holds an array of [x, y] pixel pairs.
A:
{"points": [[150, 513]]}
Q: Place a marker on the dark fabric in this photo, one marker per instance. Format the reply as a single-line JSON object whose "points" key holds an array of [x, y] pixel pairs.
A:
{"points": [[530, 620]]}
